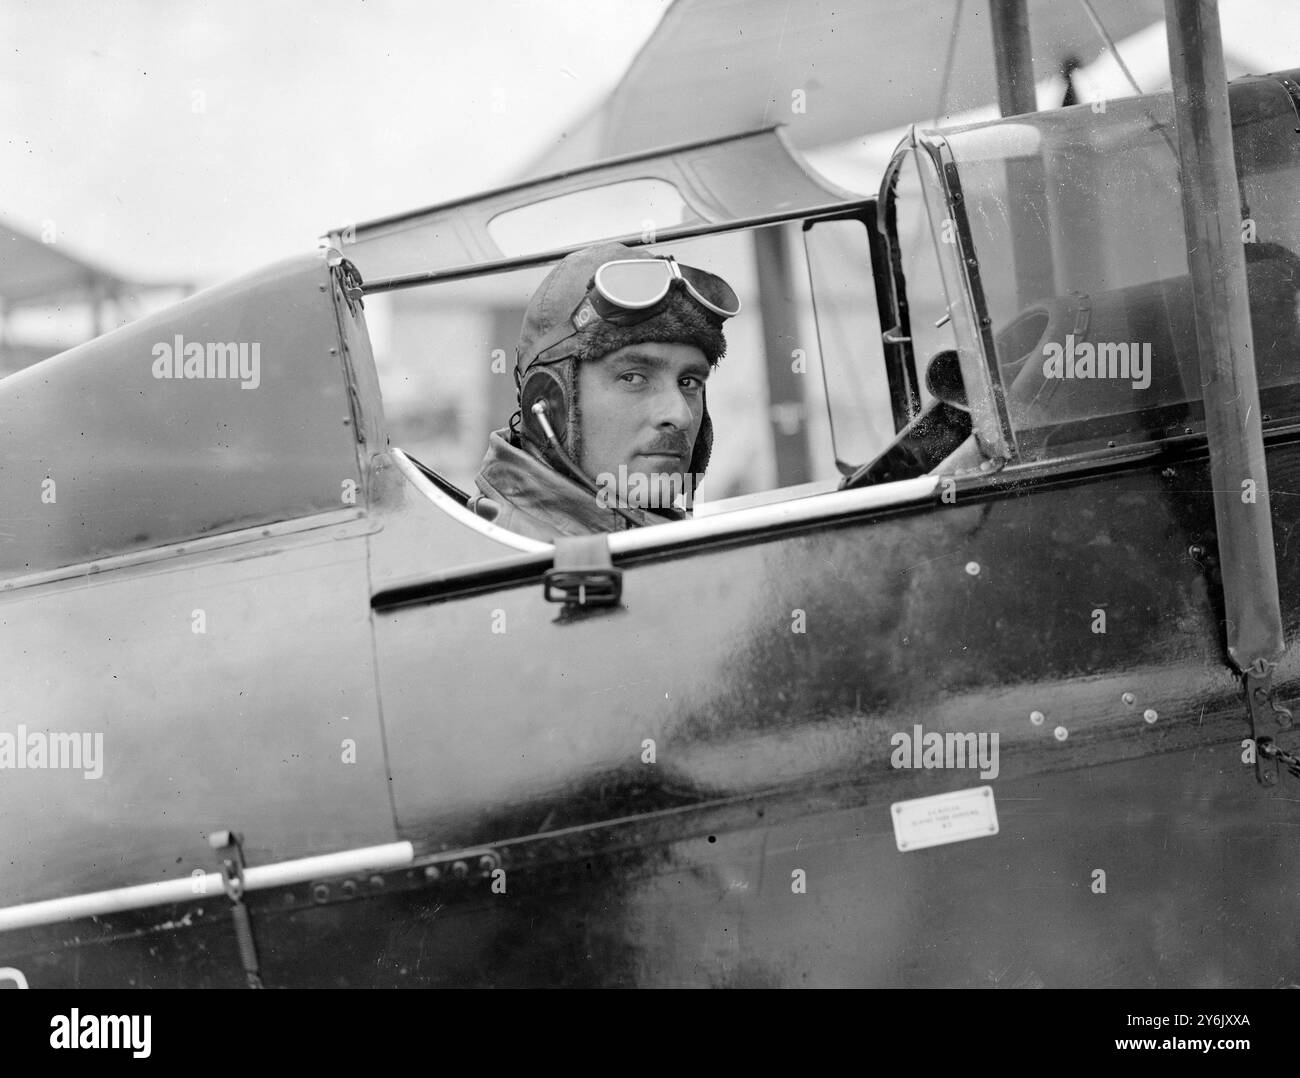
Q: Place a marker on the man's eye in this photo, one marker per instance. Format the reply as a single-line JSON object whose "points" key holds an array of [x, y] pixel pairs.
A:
{"points": [[692, 381], [633, 378]]}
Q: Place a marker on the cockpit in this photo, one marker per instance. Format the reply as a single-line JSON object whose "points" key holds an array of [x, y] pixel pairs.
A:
{"points": [[1058, 250]]}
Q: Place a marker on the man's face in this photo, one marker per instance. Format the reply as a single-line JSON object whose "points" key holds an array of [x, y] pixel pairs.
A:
{"points": [[641, 408]]}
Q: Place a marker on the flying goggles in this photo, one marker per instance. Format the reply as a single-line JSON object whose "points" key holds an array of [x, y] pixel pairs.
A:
{"points": [[631, 290]]}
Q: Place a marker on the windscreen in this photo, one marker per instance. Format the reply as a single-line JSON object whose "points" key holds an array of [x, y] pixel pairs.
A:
{"points": [[1076, 223]]}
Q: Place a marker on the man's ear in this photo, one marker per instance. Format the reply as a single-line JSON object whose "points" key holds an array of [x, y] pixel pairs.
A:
{"points": [[703, 449], [543, 384]]}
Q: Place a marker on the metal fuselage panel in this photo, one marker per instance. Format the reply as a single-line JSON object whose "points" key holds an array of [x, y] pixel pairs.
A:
{"points": [[774, 753], [233, 726], [221, 676], [774, 758], [793, 659], [229, 411], [691, 788]]}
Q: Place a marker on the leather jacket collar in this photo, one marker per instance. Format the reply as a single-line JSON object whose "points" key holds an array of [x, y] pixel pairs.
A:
{"points": [[534, 499]]}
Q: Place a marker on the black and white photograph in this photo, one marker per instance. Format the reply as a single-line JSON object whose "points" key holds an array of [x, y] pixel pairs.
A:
{"points": [[657, 494]]}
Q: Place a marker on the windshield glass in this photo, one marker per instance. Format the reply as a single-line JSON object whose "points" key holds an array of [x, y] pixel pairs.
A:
{"points": [[1076, 222]]}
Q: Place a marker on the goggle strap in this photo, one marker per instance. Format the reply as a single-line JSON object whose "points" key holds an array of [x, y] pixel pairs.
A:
{"points": [[558, 335], [699, 297], [584, 315], [695, 292]]}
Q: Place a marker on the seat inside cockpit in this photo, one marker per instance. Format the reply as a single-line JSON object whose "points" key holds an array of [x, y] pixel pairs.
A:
{"points": [[1080, 370]]}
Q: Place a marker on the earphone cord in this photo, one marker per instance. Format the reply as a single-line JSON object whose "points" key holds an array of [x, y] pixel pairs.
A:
{"points": [[575, 473]]}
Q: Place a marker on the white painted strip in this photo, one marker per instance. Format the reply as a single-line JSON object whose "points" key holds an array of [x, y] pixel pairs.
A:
{"points": [[163, 892], [459, 513], [816, 507]]}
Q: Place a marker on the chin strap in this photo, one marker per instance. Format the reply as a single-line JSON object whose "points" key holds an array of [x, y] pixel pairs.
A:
{"points": [[574, 472]]}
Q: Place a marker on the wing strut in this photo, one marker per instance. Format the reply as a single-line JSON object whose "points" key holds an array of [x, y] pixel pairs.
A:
{"points": [[1217, 263]]}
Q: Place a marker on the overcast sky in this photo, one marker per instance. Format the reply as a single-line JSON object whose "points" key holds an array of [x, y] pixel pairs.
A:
{"points": [[199, 140]]}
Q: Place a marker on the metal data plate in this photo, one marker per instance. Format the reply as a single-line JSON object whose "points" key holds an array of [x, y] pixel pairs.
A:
{"points": [[944, 818]]}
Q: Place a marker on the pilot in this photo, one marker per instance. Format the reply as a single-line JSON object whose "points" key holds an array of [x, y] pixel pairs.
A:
{"points": [[612, 430]]}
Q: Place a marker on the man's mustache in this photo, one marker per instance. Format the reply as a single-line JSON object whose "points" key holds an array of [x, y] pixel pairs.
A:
{"points": [[676, 444]]}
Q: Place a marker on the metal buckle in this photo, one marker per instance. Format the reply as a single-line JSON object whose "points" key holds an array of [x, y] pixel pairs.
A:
{"points": [[583, 587], [584, 573]]}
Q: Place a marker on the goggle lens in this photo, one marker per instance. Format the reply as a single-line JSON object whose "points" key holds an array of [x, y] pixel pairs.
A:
{"points": [[629, 290], [712, 291], [634, 284]]}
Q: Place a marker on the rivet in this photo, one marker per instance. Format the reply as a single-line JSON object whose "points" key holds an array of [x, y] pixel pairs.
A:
{"points": [[1150, 714], [1036, 717], [973, 568], [349, 888], [460, 870], [320, 892], [1129, 699], [1061, 733], [486, 863], [377, 882], [432, 872]]}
